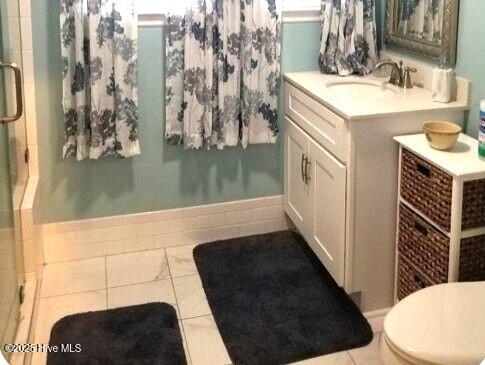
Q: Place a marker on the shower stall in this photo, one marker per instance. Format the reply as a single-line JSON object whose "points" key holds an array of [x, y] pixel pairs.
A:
{"points": [[13, 170]]}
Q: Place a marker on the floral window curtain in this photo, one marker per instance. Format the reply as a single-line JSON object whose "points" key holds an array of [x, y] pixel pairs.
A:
{"points": [[223, 73], [348, 37], [421, 19], [99, 57]]}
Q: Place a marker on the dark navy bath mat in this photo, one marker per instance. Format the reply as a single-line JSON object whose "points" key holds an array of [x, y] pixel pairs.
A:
{"points": [[273, 301], [143, 334]]}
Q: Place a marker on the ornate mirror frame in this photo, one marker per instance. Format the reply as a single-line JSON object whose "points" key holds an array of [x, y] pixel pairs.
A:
{"points": [[422, 47]]}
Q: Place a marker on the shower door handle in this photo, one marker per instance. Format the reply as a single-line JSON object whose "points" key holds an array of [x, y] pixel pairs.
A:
{"points": [[18, 93]]}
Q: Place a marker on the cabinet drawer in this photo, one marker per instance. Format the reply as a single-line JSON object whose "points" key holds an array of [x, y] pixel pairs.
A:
{"points": [[423, 246], [326, 127], [409, 280], [426, 188]]}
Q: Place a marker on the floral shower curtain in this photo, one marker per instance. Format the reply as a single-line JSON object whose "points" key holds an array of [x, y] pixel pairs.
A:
{"points": [[348, 37], [223, 73], [421, 19], [99, 57]]}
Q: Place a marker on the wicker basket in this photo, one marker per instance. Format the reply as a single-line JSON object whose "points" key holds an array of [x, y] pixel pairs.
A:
{"points": [[426, 188], [409, 281], [473, 215], [423, 246], [429, 189], [472, 259]]}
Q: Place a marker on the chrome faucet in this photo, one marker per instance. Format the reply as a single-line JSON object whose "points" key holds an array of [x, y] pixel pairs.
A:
{"points": [[396, 71], [400, 76]]}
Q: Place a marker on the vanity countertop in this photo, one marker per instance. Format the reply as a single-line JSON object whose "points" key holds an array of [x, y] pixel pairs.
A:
{"points": [[364, 105]]}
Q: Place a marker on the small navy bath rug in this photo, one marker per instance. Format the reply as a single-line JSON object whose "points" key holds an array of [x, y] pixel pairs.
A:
{"points": [[143, 334]]}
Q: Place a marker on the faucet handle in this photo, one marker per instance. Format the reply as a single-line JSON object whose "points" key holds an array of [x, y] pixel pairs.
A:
{"points": [[407, 76]]}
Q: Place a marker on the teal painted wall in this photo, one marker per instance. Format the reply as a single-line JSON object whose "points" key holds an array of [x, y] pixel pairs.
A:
{"points": [[471, 55], [166, 177], [163, 177]]}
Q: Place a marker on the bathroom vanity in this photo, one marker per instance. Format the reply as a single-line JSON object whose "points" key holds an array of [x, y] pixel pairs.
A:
{"points": [[341, 171]]}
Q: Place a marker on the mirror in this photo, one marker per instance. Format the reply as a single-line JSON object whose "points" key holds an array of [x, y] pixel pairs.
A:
{"points": [[426, 27]]}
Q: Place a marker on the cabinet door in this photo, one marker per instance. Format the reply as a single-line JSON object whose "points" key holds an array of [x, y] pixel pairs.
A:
{"points": [[296, 198], [327, 195]]}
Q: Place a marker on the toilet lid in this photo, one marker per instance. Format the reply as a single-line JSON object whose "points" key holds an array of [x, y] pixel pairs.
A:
{"points": [[442, 324]]}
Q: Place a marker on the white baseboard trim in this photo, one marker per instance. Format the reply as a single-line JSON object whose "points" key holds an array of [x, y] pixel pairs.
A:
{"points": [[67, 241], [377, 313]]}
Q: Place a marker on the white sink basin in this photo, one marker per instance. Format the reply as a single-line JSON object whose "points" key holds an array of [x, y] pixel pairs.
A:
{"points": [[361, 88]]}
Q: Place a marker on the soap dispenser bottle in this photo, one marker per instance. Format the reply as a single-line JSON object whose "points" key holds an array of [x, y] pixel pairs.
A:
{"points": [[442, 82]]}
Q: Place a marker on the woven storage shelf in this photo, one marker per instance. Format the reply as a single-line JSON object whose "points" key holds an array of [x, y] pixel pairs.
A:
{"points": [[473, 215], [430, 251], [409, 280], [472, 259], [426, 188], [424, 246]]}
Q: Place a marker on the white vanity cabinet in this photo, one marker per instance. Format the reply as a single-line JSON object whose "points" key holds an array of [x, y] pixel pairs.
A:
{"points": [[314, 181], [341, 171]]}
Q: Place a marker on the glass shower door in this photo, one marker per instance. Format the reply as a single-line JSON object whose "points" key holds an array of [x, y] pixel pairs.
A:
{"points": [[9, 286], [13, 169]]}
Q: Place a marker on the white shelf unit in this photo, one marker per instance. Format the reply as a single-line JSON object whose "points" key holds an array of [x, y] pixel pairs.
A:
{"points": [[463, 164]]}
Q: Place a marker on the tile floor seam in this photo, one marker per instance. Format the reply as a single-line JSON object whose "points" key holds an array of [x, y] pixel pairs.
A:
{"points": [[73, 293], [105, 285], [113, 254], [137, 259], [106, 278], [135, 284], [178, 308], [37, 315], [188, 276], [195, 276], [184, 340], [351, 358], [77, 260], [201, 316]]}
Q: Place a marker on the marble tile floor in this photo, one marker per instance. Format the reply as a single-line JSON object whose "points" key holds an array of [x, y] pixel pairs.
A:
{"points": [[167, 275]]}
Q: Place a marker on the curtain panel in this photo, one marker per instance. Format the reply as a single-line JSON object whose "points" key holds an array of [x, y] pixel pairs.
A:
{"points": [[348, 37], [99, 58], [223, 73], [422, 19]]}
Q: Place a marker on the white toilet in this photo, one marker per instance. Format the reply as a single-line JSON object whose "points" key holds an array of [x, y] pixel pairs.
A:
{"points": [[439, 325]]}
